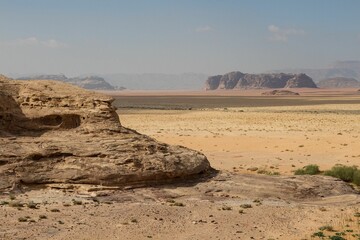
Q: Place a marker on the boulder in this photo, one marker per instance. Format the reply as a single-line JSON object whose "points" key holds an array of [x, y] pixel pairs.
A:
{"points": [[53, 132]]}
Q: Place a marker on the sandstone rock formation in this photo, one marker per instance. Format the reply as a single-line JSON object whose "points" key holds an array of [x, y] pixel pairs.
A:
{"points": [[87, 82], [239, 80], [52, 132], [339, 82], [280, 93]]}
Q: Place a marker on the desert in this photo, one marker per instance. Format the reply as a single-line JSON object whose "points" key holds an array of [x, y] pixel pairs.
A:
{"points": [[253, 143], [181, 120]]}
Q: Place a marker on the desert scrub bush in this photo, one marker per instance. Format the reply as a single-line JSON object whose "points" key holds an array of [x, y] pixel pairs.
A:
{"points": [[327, 228], [345, 173], [4, 203], [245, 206], [178, 204], [32, 205], [311, 169], [77, 202], [336, 238], [22, 219], [226, 208], [16, 204], [318, 234]]}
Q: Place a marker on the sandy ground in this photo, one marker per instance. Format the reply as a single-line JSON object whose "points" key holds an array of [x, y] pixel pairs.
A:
{"points": [[238, 203], [277, 139]]}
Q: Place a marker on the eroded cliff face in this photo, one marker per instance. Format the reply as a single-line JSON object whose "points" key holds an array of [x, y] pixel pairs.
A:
{"points": [[239, 80], [52, 132]]}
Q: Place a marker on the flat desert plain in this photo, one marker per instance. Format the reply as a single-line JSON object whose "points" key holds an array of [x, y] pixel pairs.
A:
{"points": [[243, 133], [255, 142]]}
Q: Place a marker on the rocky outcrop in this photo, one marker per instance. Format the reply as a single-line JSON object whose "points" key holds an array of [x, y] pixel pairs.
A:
{"points": [[238, 80], [339, 82], [87, 82], [52, 132], [280, 93]]}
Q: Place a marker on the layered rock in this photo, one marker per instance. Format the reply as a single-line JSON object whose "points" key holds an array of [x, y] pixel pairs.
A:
{"points": [[87, 82], [238, 80], [52, 132], [339, 82]]}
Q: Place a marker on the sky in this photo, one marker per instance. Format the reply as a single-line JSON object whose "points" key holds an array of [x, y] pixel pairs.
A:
{"points": [[175, 36]]}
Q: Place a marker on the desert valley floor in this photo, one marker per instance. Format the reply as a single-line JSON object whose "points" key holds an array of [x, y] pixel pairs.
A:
{"points": [[255, 142]]}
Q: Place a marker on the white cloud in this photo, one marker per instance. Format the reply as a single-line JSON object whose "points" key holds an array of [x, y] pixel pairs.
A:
{"points": [[33, 41], [282, 35], [204, 29]]}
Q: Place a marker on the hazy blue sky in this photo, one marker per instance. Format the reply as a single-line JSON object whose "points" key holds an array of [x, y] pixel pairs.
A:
{"points": [[168, 36]]}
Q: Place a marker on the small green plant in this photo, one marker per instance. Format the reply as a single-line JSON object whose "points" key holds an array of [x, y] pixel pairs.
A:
{"points": [[178, 204], [4, 203], [336, 238], [22, 219], [245, 206], [327, 228], [16, 204], [77, 202], [318, 234], [32, 205], [226, 208], [311, 169]]}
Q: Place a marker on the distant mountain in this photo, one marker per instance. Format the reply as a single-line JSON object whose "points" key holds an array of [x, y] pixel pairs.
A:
{"points": [[91, 82], [239, 80], [346, 69], [157, 81], [87, 82], [339, 82], [59, 77]]}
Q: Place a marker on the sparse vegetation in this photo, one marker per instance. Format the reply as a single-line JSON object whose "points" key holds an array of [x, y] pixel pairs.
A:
{"points": [[16, 204], [318, 234], [22, 219], [345, 173], [77, 202], [4, 203], [311, 169], [327, 228], [178, 204], [32, 205], [227, 208], [349, 174], [245, 206]]}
